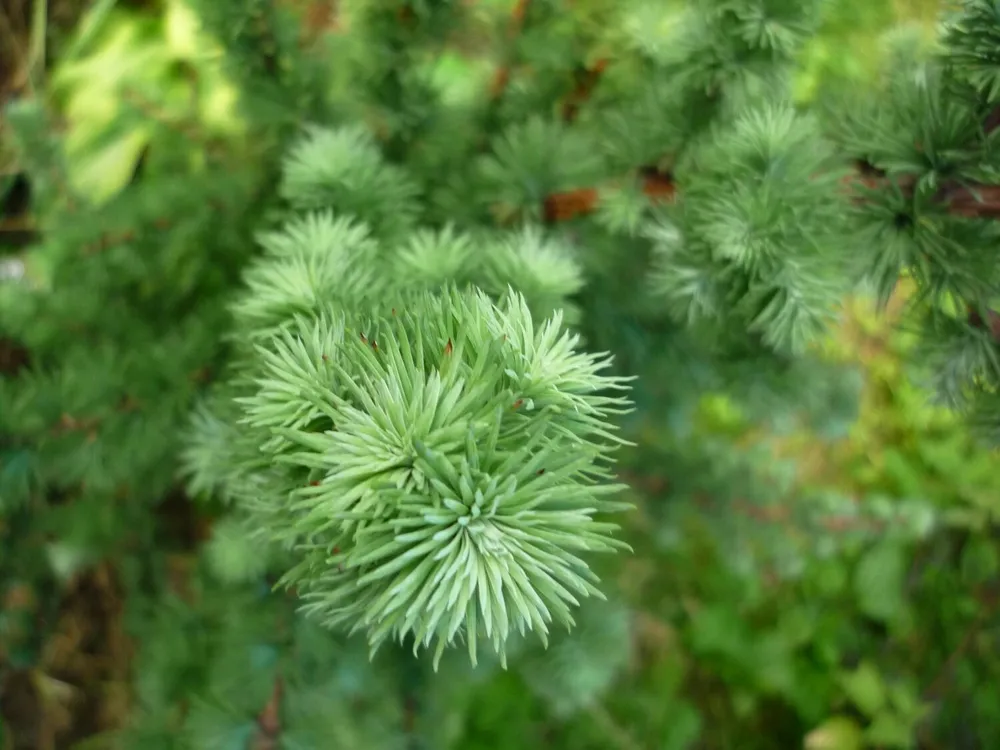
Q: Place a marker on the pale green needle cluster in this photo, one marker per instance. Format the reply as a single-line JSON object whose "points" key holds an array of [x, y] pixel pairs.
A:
{"points": [[453, 456]]}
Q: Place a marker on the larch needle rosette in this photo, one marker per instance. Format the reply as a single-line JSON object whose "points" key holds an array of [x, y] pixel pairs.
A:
{"points": [[454, 455]]}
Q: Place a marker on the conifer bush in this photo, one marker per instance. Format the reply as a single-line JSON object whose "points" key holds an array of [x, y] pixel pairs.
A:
{"points": [[409, 353]]}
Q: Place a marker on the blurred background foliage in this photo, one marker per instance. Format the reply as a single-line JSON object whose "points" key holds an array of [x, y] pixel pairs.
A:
{"points": [[855, 567], [99, 59]]}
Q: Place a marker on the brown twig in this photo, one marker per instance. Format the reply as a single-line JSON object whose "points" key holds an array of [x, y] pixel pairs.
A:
{"points": [[970, 200], [655, 184], [114, 237], [502, 76], [990, 603], [319, 17], [961, 198], [586, 82], [976, 320], [68, 423], [942, 680], [269, 721]]}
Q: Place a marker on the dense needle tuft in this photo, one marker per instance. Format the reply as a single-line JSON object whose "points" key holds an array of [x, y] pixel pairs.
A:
{"points": [[453, 454]]}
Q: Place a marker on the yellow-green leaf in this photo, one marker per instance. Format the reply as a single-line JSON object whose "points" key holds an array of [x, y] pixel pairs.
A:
{"points": [[865, 688], [837, 733]]}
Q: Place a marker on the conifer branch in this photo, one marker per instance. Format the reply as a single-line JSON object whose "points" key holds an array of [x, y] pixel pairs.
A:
{"points": [[655, 184], [970, 200], [587, 79], [472, 486], [962, 198], [501, 78], [484, 428], [90, 425], [112, 237]]}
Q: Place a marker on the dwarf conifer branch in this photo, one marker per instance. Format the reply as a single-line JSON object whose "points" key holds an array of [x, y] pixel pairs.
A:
{"points": [[434, 457]]}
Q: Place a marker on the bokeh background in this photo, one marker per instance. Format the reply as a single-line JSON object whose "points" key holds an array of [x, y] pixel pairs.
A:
{"points": [[865, 521]]}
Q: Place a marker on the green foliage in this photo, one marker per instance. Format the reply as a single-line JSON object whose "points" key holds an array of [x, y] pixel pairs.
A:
{"points": [[404, 348], [741, 260], [812, 609]]}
